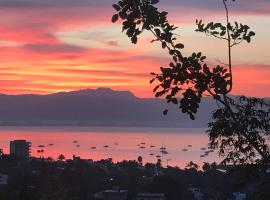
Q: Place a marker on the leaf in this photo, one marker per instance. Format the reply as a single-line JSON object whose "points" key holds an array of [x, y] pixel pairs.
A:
{"points": [[192, 117], [165, 112], [227, 75], [174, 100], [123, 15], [155, 1], [247, 38], [163, 45], [157, 32], [171, 52], [251, 33], [203, 58], [222, 33], [179, 46], [115, 18], [156, 88], [116, 7], [134, 40], [217, 25]]}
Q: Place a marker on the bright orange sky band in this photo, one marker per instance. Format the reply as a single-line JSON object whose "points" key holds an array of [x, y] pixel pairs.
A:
{"points": [[51, 46]]}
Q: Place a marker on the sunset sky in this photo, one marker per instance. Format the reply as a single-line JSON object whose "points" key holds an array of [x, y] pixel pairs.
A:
{"points": [[61, 45]]}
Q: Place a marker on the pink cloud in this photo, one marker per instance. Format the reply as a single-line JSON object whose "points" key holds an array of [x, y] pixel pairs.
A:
{"points": [[42, 63]]}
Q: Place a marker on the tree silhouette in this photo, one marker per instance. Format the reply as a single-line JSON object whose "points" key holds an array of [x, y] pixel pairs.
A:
{"points": [[40, 152], [192, 165], [61, 157], [140, 160], [206, 166], [240, 127]]}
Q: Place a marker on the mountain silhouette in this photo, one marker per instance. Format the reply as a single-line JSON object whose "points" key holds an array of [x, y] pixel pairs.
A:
{"points": [[99, 107]]}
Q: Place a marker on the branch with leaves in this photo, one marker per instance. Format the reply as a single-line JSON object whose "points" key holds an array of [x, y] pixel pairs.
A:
{"points": [[187, 79]]}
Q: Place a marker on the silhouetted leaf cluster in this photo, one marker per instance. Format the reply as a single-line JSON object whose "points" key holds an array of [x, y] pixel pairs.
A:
{"points": [[238, 128], [187, 77], [139, 15], [237, 32], [240, 131]]}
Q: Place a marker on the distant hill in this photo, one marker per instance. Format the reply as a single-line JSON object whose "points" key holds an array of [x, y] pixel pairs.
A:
{"points": [[100, 107]]}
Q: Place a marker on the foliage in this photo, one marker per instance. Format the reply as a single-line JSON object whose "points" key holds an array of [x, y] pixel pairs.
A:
{"points": [[209, 166], [239, 131], [240, 126], [37, 179], [140, 159], [61, 157], [238, 32], [191, 165]]}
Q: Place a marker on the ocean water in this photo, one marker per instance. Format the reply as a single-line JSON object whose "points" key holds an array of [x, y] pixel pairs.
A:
{"points": [[118, 143]]}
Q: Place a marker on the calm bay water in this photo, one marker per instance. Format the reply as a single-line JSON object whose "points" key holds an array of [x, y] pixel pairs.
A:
{"points": [[182, 145]]}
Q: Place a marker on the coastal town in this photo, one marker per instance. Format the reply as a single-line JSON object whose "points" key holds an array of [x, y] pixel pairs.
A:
{"points": [[134, 100], [25, 177]]}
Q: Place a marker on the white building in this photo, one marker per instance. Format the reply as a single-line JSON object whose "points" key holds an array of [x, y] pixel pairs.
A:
{"points": [[150, 196], [113, 194], [3, 179], [239, 196], [198, 195]]}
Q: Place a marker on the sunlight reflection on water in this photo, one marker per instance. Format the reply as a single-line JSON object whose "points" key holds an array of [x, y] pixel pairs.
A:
{"points": [[179, 146]]}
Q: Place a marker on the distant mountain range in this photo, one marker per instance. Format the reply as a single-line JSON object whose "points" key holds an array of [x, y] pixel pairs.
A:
{"points": [[100, 107]]}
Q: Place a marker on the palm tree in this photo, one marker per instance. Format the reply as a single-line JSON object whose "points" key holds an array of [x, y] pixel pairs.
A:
{"points": [[40, 152]]}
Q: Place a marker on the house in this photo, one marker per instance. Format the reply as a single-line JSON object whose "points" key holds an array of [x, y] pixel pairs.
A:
{"points": [[198, 195], [3, 179], [239, 196], [150, 196], [112, 194], [78, 159]]}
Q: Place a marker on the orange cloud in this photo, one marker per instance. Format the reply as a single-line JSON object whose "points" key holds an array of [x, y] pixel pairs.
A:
{"points": [[35, 59], [252, 80]]}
